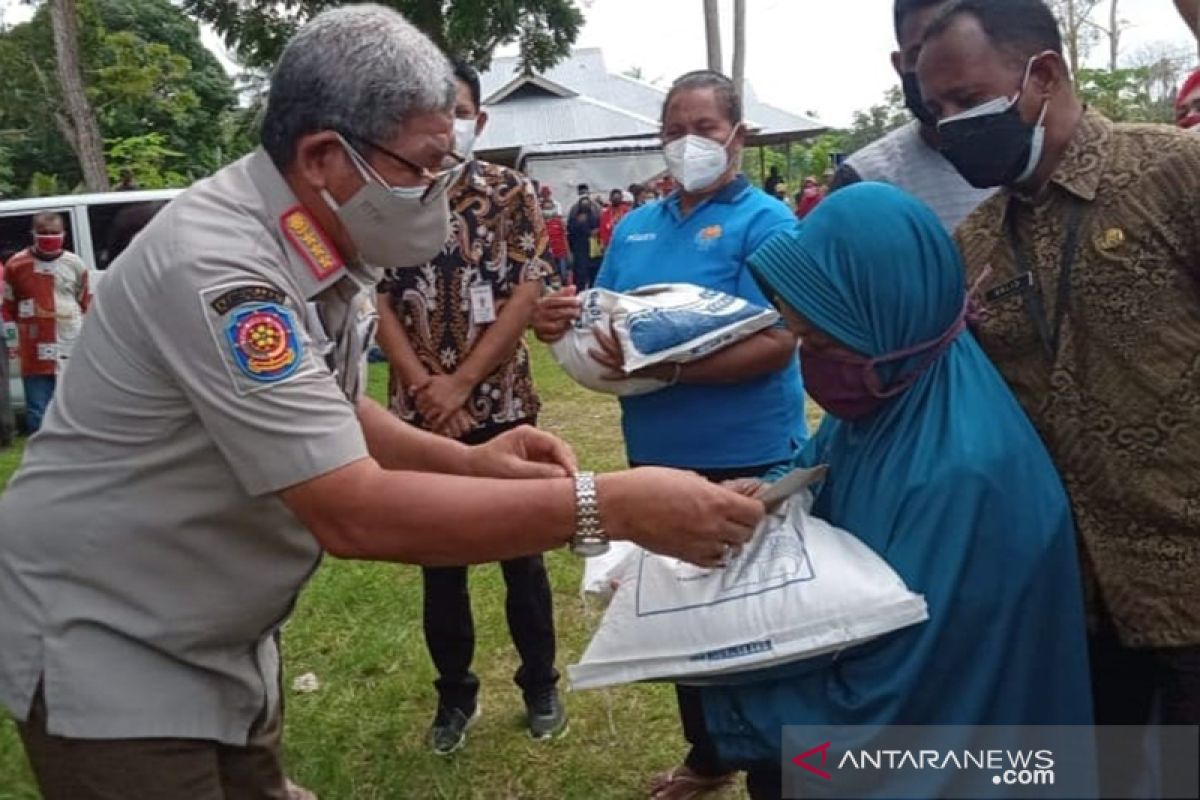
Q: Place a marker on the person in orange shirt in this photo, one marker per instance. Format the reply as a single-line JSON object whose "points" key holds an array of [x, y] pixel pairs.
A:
{"points": [[45, 294]]}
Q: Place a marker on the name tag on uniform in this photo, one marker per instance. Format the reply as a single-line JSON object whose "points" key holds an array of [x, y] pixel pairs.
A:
{"points": [[43, 268], [47, 351], [1018, 285], [26, 308], [483, 304]]}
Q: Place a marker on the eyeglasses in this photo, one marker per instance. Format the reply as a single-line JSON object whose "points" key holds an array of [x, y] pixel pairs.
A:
{"points": [[438, 181]]}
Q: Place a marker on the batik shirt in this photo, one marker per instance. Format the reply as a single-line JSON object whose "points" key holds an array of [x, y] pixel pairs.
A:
{"points": [[1114, 388], [498, 239]]}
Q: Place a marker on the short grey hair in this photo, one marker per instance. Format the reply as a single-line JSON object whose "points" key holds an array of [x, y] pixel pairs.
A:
{"points": [[361, 70]]}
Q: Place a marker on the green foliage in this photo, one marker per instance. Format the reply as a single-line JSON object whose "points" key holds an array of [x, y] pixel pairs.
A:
{"points": [[876, 121], [43, 185], [1121, 95], [146, 157], [469, 29], [6, 172], [814, 157], [146, 71]]}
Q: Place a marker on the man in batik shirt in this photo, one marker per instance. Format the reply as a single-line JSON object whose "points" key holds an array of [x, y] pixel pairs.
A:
{"points": [[452, 331]]}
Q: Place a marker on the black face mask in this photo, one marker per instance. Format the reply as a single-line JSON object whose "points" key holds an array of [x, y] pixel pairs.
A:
{"points": [[990, 145], [913, 101], [989, 149]]}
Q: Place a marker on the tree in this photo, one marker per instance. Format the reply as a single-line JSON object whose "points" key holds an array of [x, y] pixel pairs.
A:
{"points": [[877, 121], [1078, 30], [76, 120], [469, 29], [739, 46], [144, 69], [712, 35]]}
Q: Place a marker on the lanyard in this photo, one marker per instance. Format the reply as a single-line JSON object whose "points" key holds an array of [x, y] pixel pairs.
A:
{"points": [[1048, 332]]}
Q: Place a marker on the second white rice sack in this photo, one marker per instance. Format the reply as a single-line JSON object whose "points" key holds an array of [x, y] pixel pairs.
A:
{"points": [[668, 322], [800, 589]]}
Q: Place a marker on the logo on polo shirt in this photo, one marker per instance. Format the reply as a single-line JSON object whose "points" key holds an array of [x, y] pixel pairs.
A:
{"points": [[641, 237], [708, 236]]}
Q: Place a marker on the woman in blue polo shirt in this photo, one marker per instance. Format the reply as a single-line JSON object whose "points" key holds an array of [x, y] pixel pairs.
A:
{"points": [[740, 411]]}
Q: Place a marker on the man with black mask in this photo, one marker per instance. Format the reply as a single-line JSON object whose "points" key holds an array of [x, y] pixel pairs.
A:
{"points": [[1087, 263], [908, 157]]}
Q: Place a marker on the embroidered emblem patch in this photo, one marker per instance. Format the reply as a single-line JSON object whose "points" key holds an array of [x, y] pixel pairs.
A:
{"points": [[310, 242], [708, 236], [240, 295], [263, 340]]}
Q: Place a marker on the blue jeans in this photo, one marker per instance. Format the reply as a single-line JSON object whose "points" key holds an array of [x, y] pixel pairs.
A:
{"points": [[38, 391]]}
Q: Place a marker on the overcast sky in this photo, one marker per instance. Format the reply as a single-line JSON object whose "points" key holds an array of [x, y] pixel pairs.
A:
{"points": [[830, 58]]}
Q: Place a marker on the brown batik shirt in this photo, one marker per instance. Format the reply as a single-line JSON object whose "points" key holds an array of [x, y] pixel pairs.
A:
{"points": [[1117, 397], [498, 239]]}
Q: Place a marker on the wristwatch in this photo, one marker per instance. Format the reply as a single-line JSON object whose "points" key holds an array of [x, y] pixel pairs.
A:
{"points": [[589, 539]]}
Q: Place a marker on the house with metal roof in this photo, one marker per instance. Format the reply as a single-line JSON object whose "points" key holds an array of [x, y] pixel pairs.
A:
{"points": [[580, 123]]}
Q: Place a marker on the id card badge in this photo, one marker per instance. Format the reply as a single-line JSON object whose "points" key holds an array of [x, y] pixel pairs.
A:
{"points": [[483, 304], [47, 351], [26, 308]]}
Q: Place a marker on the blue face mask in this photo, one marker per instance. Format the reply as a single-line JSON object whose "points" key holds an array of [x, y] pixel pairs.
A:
{"points": [[990, 145]]}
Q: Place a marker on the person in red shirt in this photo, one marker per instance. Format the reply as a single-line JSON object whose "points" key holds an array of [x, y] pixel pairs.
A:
{"points": [[556, 230], [808, 197], [1187, 103], [6, 420], [612, 214], [45, 294]]}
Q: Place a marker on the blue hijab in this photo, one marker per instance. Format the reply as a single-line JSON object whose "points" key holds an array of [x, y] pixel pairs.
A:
{"points": [[948, 482]]}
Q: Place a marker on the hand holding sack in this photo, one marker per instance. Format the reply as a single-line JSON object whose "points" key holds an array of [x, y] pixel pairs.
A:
{"points": [[800, 588], [662, 323]]}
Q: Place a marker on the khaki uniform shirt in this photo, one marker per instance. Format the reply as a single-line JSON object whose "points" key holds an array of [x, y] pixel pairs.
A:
{"points": [[1118, 401], [145, 559]]}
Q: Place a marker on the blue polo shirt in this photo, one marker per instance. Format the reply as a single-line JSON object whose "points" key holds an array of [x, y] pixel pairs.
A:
{"points": [[706, 426]]}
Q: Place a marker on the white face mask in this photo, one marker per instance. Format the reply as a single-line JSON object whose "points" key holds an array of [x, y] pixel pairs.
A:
{"points": [[696, 162], [464, 136], [391, 226]]}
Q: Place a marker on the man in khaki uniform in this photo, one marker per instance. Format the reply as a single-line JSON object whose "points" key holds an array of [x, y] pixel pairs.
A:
{"points": [[211, 440]]}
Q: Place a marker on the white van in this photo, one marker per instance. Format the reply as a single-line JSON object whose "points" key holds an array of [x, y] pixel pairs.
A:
{"points": [[91, 234]]}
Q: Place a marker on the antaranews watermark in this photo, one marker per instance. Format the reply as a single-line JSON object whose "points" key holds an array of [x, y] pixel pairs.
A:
{"points": [[971, 762]]}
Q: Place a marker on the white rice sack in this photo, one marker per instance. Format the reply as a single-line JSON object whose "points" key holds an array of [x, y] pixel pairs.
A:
{"points": [[668, 322], [602, 573], [800, 589]]}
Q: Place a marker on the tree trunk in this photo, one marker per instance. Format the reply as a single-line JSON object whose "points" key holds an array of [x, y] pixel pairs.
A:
{"points": [[1072, 32], [712, 32], [85, 139], [1114, 37], [739, 46]]}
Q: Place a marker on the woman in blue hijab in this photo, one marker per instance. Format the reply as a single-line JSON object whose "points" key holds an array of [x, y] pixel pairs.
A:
{"points": [[933, 465]]}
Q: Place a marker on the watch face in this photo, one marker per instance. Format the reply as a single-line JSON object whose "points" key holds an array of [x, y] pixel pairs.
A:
{"points": [[589, 548]]}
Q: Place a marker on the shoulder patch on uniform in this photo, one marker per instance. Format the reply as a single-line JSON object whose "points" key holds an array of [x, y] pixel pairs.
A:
{"points": [[241, 295], [263, 340], [309, 240]]}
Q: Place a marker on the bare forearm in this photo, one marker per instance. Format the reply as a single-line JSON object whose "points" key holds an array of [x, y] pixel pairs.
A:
{"points": [[399, 446], [763, 353], [439, 520], [497, 343]]}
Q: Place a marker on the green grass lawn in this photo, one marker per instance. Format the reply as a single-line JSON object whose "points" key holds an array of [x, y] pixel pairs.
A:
{"points": [[358, 628]]}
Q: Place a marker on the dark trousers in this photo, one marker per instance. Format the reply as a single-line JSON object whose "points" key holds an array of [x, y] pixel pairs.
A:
{"points": [[39, 390], [153, 769], [450, 626], [1141, 686], [702, 758]]}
